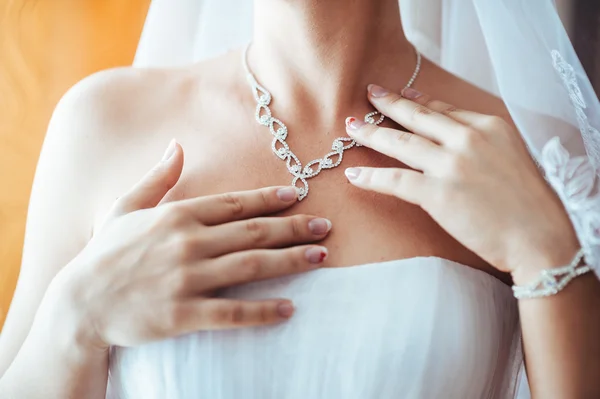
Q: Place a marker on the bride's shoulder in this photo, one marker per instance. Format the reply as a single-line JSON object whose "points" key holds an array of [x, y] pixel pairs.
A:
{"points": [[109, 112], [131, 95], [103, 98]]}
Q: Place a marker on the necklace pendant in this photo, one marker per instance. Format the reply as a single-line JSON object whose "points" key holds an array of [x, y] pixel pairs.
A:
{"points": [[302, 188]]}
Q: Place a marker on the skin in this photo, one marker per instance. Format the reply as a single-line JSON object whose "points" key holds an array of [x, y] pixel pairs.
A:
{"points": [[458, 158], [319, 70], [157, 269]]}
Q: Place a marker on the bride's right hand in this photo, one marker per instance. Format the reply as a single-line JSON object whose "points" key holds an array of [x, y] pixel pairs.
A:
{"points": [[151, 270]]}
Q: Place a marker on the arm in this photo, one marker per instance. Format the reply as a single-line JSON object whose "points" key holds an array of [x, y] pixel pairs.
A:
{"points": [[561, 333], [56, 360], [59, 225], [503, 210]]}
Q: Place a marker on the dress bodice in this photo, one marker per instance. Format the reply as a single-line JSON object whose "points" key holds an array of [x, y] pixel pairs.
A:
{"points": [[412, 328]]}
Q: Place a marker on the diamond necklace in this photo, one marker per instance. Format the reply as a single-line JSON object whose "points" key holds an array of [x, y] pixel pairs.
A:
{"points": [[279, 131]]}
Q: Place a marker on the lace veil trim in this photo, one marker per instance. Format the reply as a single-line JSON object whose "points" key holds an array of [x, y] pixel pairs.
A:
{"points": [[575, 179]]}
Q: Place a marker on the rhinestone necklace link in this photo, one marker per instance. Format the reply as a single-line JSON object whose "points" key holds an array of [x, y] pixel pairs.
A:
{"points": [[279, 131]]}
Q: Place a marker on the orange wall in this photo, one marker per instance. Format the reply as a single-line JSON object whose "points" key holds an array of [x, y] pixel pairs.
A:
{"points": [[46, 47]]}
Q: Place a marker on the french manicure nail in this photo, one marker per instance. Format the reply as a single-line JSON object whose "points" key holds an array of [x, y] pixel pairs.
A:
{"points": [[316, 255], [287, 194], [285, 309], [319, 226], [377, 91], [411, 93], [354, 124], [352, 173], [170, 151]]}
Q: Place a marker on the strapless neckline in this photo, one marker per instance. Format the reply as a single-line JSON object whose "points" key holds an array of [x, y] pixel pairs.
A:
{"points": [[419, 327], [477, 273]]}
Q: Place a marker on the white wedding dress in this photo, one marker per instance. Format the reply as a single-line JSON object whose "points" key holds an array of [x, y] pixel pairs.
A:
{"points": [[414, 328]]}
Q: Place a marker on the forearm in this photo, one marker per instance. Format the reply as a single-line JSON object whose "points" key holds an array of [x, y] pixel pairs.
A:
{"points": [[56, 359], [561, 338], [47, 369]]}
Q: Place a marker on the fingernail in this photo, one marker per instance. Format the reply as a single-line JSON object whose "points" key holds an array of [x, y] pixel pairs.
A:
{"points": [[319, 226], [352, 173], [354, 124], [287, 194], [170, 151], [377, 91], [316, 255], [285, 309], [411, 93]]}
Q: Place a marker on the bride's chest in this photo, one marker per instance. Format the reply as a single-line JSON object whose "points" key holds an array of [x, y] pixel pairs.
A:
{"points": [[367, 226]]}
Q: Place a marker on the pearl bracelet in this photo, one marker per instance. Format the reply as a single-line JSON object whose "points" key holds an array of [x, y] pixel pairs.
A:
{"points": [[552, 281]]}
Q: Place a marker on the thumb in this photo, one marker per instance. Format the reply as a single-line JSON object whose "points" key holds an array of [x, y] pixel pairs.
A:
{"points": [[152, 188]]}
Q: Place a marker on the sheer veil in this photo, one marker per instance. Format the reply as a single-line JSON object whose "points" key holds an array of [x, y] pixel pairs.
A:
{"points": [[518, 50]]}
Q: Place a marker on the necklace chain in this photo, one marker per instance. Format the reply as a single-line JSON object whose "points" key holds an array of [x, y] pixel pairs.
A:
{"points": [[279, 131]]}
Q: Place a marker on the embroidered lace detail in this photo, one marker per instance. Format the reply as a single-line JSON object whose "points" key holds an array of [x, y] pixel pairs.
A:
{"points": [[591, 136], [575, 179]]}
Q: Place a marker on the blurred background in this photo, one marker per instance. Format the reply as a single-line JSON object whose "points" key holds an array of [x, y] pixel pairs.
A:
{"points": [[47, 46]]}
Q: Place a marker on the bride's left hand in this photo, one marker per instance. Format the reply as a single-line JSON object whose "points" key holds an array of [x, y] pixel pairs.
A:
{"points": [[472, 174]]}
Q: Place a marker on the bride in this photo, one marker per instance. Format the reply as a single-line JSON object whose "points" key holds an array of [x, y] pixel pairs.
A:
{"points": [[422, 207]]}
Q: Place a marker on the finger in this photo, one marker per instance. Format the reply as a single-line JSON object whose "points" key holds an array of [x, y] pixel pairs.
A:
{"points": [[221, 314], [463, 116], [152, 188], [223, 208], [479, 124], [413, 150], [415, 117], [268, 232], [406, 184], [248, 266]]}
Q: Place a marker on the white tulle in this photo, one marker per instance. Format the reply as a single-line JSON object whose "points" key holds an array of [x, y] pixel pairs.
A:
{"points": [[416, 328]]}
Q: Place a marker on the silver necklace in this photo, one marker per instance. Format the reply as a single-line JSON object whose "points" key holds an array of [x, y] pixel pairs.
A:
{"points": [[279, 131]]}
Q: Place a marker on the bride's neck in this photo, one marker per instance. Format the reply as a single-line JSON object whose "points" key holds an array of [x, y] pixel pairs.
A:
{"points": [[315, 53]]}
